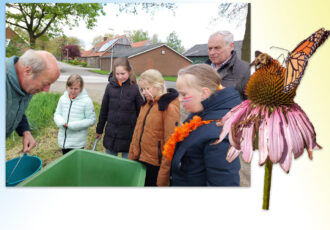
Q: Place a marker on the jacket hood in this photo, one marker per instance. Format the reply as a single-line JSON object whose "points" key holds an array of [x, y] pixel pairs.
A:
{"points": [[224, 99], [13, 80], [81, 95], [167, 98]]}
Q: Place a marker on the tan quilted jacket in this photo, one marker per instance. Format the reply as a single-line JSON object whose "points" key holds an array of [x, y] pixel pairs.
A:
{"points": [[155, 124]]}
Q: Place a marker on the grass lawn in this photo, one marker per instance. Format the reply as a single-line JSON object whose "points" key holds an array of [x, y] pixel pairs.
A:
{"points": [[44, 130], [100, 71], [166, 78]]}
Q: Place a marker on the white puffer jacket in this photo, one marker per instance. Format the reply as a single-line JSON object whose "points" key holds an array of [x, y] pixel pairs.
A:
{"points": [[79, 114]]}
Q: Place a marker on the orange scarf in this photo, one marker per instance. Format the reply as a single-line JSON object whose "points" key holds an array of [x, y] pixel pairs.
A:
{"points": [[180, 133]]}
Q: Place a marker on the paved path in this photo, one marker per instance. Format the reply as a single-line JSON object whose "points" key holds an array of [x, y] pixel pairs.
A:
{"points": [[94, 83]]}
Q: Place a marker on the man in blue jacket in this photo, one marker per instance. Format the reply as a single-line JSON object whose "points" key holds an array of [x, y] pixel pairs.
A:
{"points": [[223, 58], [32, 73]]}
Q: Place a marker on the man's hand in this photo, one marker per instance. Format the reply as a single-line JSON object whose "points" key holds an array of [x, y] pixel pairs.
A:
{"points": [[99, 136], [28, 142]]}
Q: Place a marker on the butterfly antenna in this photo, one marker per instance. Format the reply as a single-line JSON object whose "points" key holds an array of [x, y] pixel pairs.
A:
{"points": [[272, 47], [278, 58], [282, 55]]}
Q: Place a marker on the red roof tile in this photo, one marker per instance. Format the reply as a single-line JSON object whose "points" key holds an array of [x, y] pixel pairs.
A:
{"points": [[140, 43]]}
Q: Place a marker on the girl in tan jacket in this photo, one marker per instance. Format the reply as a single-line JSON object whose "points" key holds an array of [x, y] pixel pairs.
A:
{"points": [[156, 122]]}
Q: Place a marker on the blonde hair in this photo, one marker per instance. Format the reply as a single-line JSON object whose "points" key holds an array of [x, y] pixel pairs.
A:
{"points": [[203, 76], [73, 79], [154, 78]]}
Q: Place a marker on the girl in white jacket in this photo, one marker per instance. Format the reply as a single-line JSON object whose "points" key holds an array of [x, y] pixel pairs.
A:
{"points": [[74, 115]]}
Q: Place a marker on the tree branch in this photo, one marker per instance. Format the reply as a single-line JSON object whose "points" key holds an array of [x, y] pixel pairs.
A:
{"points": [[47, 26], [24, 15], [17, 25], [40, 18]]}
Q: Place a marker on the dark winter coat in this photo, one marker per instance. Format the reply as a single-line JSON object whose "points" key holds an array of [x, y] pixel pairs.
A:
{"points": [[198, 163], [234, 73], [154, 127], [119, 111]]}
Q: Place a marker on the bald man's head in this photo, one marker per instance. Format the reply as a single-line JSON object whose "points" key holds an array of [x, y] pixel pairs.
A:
{"points": [[37, 70]]}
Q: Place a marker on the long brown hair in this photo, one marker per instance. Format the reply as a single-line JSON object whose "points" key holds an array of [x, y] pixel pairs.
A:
{"points": [[122, 61]]}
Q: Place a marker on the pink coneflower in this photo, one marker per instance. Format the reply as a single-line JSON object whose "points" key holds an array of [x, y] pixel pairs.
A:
{"points": [[269, 121]]}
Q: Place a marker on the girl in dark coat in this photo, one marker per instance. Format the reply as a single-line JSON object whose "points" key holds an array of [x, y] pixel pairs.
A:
{"points": [[119, 110], [196, 162]]}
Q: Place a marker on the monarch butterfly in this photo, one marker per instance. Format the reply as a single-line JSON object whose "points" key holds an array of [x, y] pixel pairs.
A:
{"points": [[297, 60]]}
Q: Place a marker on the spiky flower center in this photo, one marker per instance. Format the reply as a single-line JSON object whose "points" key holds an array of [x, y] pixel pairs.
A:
{"points": [[265, 86]]}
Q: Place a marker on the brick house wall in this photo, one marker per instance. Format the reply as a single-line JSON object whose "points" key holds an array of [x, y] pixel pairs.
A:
{"points": [[167, 61], [93, 62]]}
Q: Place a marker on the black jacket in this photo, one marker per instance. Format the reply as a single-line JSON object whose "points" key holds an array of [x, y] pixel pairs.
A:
{"points": [[198, 163], [234, 73], [119, 111]]}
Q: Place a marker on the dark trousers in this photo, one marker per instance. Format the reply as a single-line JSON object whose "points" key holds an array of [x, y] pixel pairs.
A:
{"points": [[64, 151], [151, 174]]}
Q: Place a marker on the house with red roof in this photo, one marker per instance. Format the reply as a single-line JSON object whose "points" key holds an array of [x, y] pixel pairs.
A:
{"points": [[15, 44], [104, 48]]}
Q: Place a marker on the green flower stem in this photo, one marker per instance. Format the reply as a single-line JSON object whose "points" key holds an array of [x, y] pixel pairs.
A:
{"points": [[267, 183]]}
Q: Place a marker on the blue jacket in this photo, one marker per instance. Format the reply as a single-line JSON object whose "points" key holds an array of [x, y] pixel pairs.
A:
{"points": [[79, 114], [198, 163], [17, 100]]}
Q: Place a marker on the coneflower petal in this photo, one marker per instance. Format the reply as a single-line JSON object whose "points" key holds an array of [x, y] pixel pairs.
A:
{"points": [[232, 153], [309, 125], [231, 118], [235, 136], [275, 137], [298, 141], [304, 130], [247, 143], [236, 110], [263, 137], [297, 109], [286, 158]]}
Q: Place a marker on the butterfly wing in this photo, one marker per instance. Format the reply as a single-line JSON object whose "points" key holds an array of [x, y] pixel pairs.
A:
{"points": [[295, 69], [297, 60]]}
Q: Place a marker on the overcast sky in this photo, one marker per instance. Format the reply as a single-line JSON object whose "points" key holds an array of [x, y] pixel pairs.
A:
{"points": [[191, 22]]}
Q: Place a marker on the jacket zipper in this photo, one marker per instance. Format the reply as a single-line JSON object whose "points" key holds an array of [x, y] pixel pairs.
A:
{"points": [[67, 123], [121, 92], [118, 111], [144, 122], [159, 153]]}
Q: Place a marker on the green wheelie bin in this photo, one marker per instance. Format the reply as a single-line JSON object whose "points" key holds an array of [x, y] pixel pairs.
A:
{"points": [[81, 167]]}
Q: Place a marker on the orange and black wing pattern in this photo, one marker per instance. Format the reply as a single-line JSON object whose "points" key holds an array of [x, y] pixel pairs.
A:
{"points": [[297, 60]]}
